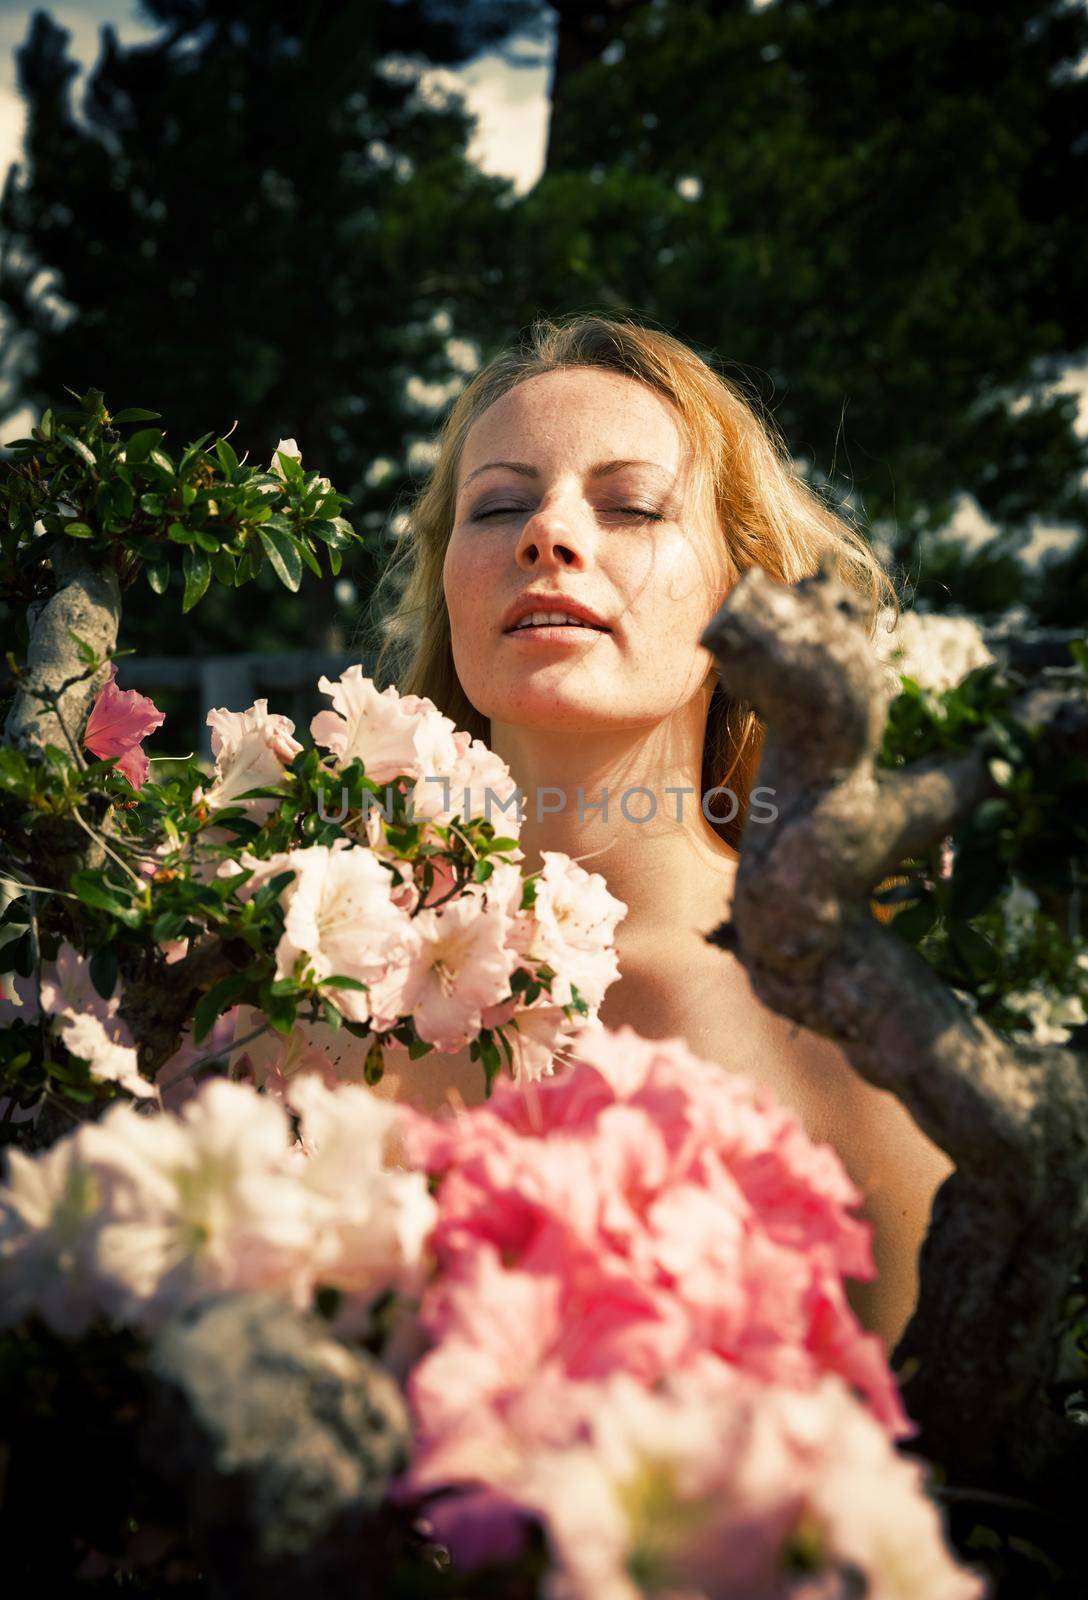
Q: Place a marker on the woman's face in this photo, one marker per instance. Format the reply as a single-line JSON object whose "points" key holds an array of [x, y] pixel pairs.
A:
{"points": [[625, 543]]}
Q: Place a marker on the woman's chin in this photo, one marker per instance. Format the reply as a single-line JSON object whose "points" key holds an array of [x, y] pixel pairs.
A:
{"points": [[551, 712]]}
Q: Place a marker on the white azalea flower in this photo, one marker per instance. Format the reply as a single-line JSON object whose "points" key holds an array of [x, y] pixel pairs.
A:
{"points": [[393, 735], [461, 965], [376, 1216], [571, 927], [340, 915], [201, 1202], [287, 447], [251, 749], [102, 1045], [48, 1208], [936, 650], [466, 781]]}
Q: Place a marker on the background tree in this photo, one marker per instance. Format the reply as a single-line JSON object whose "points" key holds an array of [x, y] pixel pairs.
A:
{"points": [[240, 226], [882, 213]]}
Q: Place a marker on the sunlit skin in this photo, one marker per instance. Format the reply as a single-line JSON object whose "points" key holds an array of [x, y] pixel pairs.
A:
{"points": [[574, 709]]}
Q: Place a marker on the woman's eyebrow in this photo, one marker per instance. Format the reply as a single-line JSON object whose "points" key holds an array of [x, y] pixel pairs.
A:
{"points": [[602, 469]]}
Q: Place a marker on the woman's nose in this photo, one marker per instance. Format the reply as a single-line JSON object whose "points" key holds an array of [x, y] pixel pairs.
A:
{"points": [[552, 538]]}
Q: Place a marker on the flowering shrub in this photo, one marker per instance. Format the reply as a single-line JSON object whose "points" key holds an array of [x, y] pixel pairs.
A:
{"points": [[405, 921], [627, 1294]]}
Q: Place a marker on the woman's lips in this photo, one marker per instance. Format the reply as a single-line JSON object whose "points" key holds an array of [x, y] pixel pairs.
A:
{"points": [[556, 633]]}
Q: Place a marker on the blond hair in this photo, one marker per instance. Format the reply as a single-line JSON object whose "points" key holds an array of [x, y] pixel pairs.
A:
{"points": [[767, 515]]}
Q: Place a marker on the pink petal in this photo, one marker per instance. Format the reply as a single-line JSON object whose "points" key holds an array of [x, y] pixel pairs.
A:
{"points": [[119, 719]]}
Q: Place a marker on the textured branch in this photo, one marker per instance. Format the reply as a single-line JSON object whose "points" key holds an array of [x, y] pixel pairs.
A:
{"points": [[1010, 1226], [56, 693]]}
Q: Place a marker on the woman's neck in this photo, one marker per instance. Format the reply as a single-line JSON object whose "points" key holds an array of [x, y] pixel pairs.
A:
{"points": [[667, 869]]}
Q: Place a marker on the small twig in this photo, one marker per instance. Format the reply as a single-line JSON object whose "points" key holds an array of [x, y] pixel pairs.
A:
{"points": [[214, 1055], [99, 838]]}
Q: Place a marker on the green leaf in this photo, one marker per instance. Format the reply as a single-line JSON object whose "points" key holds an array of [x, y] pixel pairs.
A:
{"points": [[158, 575], [180, 533], [223, 565], [992, 814], [161, 460], [169, 925], [10, 931], [975, 951], [506, 1050], [282, 552], [291, 467], [419, 1048], [87, 653], [216, 1001], [140, 446], [103, 970], [190, 453], [79, 530], [310, 559], [153, 504], [916, 920], [78, 445], [492, 1061], [198, 575], [135, 414], [333, 1017], [227, 458], [95, 890], [271, 891], [339, 982]]}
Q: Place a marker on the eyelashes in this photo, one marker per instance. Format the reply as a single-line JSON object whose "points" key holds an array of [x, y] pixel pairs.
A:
{"points": [[620, 511]]}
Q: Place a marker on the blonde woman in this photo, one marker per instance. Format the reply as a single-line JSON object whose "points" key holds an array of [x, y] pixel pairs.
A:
{"points": [[595, 496]]}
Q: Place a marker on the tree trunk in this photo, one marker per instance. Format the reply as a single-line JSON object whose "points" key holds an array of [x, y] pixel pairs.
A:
{"points": [[1010, 1226]]}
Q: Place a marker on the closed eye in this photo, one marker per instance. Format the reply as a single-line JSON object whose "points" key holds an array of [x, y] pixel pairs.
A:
{"points": [[619, 511]]}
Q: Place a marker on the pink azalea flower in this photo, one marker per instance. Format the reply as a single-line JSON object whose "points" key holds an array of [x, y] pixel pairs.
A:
{"points": [[119, 720], [642, 1212]]}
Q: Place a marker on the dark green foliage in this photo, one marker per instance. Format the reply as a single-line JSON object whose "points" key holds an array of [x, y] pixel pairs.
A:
{"points": [[242, 222], [888, 245]]}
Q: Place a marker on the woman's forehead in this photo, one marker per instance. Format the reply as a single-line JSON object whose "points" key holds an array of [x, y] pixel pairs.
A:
{"points": [[596, 408]]}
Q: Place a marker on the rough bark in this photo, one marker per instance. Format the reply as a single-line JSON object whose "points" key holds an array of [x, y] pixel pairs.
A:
{"points": [[55, 693], [1010, 1225]]}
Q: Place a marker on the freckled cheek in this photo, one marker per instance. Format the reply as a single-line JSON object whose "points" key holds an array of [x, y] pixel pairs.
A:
{"points": [[469, 585], [667, 612]]}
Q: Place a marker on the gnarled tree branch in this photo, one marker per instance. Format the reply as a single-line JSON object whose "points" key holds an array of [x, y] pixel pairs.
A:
{"points": [[1010, 1226]]}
